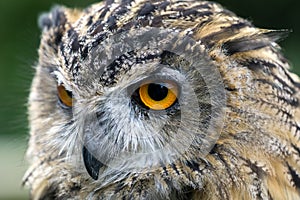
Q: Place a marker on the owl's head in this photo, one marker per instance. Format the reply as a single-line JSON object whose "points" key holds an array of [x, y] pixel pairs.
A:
{"points": [[124, 98]]}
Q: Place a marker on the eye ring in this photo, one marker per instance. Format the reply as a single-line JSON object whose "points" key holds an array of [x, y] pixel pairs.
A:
{"points": [[158, 96], [65, 96]]}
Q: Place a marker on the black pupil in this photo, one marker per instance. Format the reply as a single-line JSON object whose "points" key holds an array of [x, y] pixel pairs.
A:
{"points": [[157, 92], [69, 93]]}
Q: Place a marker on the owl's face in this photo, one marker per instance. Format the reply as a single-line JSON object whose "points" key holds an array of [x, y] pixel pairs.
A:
{"points": [[161, 100], [138, 99]]}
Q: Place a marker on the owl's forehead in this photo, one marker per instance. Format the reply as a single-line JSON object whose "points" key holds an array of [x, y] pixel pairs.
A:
{"points": [[99, 22], [80, 34]]}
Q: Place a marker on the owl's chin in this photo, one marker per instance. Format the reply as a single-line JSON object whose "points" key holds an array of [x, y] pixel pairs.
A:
{"points": [[91, 164]]}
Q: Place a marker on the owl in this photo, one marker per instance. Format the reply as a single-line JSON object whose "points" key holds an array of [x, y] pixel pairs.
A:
{"points": [[161, 100]]}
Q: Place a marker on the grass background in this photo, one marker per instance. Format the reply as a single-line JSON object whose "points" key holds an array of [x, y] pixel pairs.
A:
{"points": [[19, 40]]}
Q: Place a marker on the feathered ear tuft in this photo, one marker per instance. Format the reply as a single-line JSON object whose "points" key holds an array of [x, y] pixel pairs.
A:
{"points": [[277, 35], [53, 26], [255, 41], [56, 18]]}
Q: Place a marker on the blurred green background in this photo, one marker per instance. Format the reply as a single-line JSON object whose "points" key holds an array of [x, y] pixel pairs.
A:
{"points": [[19, 40]]}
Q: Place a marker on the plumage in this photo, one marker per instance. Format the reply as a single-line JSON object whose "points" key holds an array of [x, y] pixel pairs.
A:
{"points": [[232, 133]]}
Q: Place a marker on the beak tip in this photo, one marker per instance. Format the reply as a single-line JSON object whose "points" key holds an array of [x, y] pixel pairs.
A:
{"points": [[91, 164]]}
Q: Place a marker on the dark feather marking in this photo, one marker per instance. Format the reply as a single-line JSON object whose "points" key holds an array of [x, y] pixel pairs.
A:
{"points": [[96, 28], [257, 64], [274, 86], [90, 21], [119, 187], [277, 35], [196, 13], [296, 148], [242, 45], [225, 32], [175, 168], [224, 162], [113, 70], [291, 101], [230, 89], [295, 176], [192, 165], [166, 173], [121, 11], [253, 42], [73, 35], [147, 9], [285, 85], [112, 23], [259, 176], [297, 84], [63, 52], [103, 13]]}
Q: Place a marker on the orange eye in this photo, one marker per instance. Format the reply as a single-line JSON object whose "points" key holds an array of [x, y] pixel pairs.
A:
{"points": [[158, 96], [65, 96]]}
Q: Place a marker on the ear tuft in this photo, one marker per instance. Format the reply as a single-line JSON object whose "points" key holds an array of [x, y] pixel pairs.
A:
{"points": [[253, 42], [55, 18]]}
